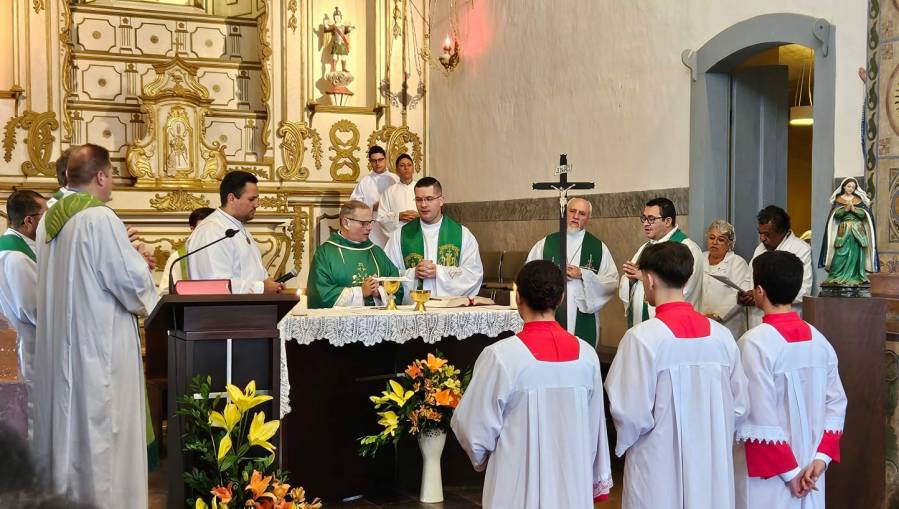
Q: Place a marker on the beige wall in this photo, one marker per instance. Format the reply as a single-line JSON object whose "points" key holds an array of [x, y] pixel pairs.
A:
{"points": [[602, 81]]}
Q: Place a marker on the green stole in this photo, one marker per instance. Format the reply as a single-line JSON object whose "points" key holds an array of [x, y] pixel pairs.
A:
{"points": [[58, 194], [185, 274], [449, 243], [11, 242], [591, 256], [65, 209], [677, 236]]}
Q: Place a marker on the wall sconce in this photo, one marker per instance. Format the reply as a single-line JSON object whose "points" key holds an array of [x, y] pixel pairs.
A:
{"points": [[452, 54]]}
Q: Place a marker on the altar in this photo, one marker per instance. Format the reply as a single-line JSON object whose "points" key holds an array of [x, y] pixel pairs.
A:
{"points": [[334, 359]]}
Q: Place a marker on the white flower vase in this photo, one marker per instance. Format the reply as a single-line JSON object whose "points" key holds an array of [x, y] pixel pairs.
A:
{"points": [[431, 444]]}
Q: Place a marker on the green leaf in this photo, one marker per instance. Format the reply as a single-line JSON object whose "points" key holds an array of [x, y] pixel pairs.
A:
{"points": [[228, 462]]}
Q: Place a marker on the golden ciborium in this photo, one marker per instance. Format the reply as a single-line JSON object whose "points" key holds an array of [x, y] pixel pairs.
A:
{"points": [[419, 297]]}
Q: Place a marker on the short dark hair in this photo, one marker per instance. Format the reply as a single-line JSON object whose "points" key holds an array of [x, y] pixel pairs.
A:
{"points": [[428, 182], [540, 284], [85, 162], [671, 261], [777, 216], [198, 215], [666, 208], [61, 165], [234, 183], [403, 156], [779, 273], [376, 149], [21, 204]]}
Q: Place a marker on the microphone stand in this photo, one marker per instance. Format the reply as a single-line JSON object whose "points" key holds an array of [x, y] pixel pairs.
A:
{"points": [[228, 234]]}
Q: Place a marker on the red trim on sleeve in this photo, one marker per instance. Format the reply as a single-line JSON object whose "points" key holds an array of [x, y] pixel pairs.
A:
{"points": [[764, 459], [830, 444], [601, 498], [790, 326], [549, 342], [684, 321]]}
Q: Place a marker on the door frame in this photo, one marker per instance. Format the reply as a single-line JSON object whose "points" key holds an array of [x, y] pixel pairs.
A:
{"points": [[710, 70]]}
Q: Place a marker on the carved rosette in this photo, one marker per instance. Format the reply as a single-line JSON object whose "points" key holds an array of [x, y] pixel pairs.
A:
{"points": [[38, 141], [293, 150], [396, 141], [344, 149], [178, 201]]}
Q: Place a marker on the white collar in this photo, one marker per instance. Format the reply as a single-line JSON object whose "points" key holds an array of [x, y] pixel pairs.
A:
{"points": [[783, 242], [431, 227], [667, 236], [231, 218]]}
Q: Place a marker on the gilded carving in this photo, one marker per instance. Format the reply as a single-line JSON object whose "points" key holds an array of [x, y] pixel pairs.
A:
{"points": [[262, 173], [277, 202], [178, 201], [344, 149], [292, 20], [176, 78], [137, 156], [38, 6], [297, 232], [178, 134], [265, 56], [894, 205], [293, 150], [396, 141], [213, 153], [67, 74], [39, 141]]}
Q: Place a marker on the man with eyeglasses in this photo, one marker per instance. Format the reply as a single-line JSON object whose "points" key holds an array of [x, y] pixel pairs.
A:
{"points": [[344, 268], [372, 186], [435, 252], [18, 272], [659, 220]]}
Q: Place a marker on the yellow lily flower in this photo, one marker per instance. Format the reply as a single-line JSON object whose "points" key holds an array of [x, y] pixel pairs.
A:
{"points": [[247, 399], [228, 420], [200, 504], [390, 421], [261, 431], [224, 447], [398, 394], [379, 400]]}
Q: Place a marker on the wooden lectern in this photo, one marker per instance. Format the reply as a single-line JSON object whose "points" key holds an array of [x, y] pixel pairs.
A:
{"points": [[231, 338]]}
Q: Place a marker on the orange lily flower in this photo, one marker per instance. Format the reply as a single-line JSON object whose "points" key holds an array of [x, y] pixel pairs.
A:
{"points": [[444, 397], [222, 493], [435, 363], [258, 484], [280, 489], [413, 370]]}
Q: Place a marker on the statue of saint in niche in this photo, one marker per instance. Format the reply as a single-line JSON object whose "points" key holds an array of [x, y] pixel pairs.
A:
{"points": [[340, 39], [177, 160]]}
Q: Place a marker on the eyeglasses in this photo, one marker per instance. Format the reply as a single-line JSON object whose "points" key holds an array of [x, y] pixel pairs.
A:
{"points": [[650, 219], [363, 223], [378, 160], [427, 199]]}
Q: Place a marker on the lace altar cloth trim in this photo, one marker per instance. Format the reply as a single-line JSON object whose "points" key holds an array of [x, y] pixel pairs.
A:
{"points": [[341, 326]]}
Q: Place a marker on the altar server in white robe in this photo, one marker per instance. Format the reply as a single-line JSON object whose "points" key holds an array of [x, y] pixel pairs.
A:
{"points": [[676, 393], [398, 201], [179, 271], [90, 439], [797, 403], [775, 235], [18, 272], [659, 220], [434, 251], [237, 258], [592, 275], [719, 301], [533, 415], [372, 186]]}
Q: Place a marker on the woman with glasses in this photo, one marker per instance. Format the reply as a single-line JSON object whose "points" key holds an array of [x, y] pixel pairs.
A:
{"points": [[719, 301]]}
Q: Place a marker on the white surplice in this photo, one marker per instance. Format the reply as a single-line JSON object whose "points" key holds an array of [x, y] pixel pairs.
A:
{"points": [[795, 396], [18, 300], [464, 280], [397, 198], [793, 244], [633, 296], [90, 420], [369, 191], [721, 299], [590, 293], [675, 403], [237, 258], [170, 269], [538, 426]]}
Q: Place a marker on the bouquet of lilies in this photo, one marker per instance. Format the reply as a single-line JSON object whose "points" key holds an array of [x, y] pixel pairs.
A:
{"points": [[421, 400], [230, 447]]}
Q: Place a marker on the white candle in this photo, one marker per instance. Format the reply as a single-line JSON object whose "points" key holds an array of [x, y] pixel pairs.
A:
{"points": [[513, 297]]}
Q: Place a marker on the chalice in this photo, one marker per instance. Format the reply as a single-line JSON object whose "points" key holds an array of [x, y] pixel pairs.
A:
{"points": [[391, 286], [419, 297]]}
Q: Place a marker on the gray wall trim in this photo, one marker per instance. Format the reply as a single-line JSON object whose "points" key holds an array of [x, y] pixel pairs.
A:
{"points": [[628, 204], [709, 106]]}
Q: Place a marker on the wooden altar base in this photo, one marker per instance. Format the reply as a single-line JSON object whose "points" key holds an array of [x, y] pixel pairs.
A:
{"points": [[331, 410]]}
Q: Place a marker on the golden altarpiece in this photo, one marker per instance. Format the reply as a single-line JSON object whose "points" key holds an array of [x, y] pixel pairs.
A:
{"points": [[183, 91]]}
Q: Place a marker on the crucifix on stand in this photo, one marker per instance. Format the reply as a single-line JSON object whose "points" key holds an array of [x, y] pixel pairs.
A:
{"points": [[563, 186]]}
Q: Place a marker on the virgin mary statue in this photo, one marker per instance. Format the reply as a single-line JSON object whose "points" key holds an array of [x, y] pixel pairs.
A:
{"points": [[848, 252]]}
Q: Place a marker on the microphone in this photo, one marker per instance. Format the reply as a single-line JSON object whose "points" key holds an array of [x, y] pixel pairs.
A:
{"points": [[286, 277], [230, 232]]}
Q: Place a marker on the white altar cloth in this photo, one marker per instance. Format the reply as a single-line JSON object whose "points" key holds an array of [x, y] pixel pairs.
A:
{"points": [[370, 326]]}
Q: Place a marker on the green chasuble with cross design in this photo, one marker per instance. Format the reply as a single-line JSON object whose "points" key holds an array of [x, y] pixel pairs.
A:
{"points": [[340, 263], [591, 257]]}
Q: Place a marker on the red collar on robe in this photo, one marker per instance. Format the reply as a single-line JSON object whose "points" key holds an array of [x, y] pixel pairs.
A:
{"points": [[790, 326], [549, 342], [684, 321]]}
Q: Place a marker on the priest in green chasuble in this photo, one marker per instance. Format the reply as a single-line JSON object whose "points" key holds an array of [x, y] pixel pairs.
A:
{"points": [[344, 268], [434, 251], [592, 276]]}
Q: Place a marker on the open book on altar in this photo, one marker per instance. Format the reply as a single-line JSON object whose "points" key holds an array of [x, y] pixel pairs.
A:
{"points": [[459, 302]]}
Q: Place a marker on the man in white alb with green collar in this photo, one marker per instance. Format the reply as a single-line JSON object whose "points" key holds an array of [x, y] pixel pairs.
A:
{"points": [[434, 252]]}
